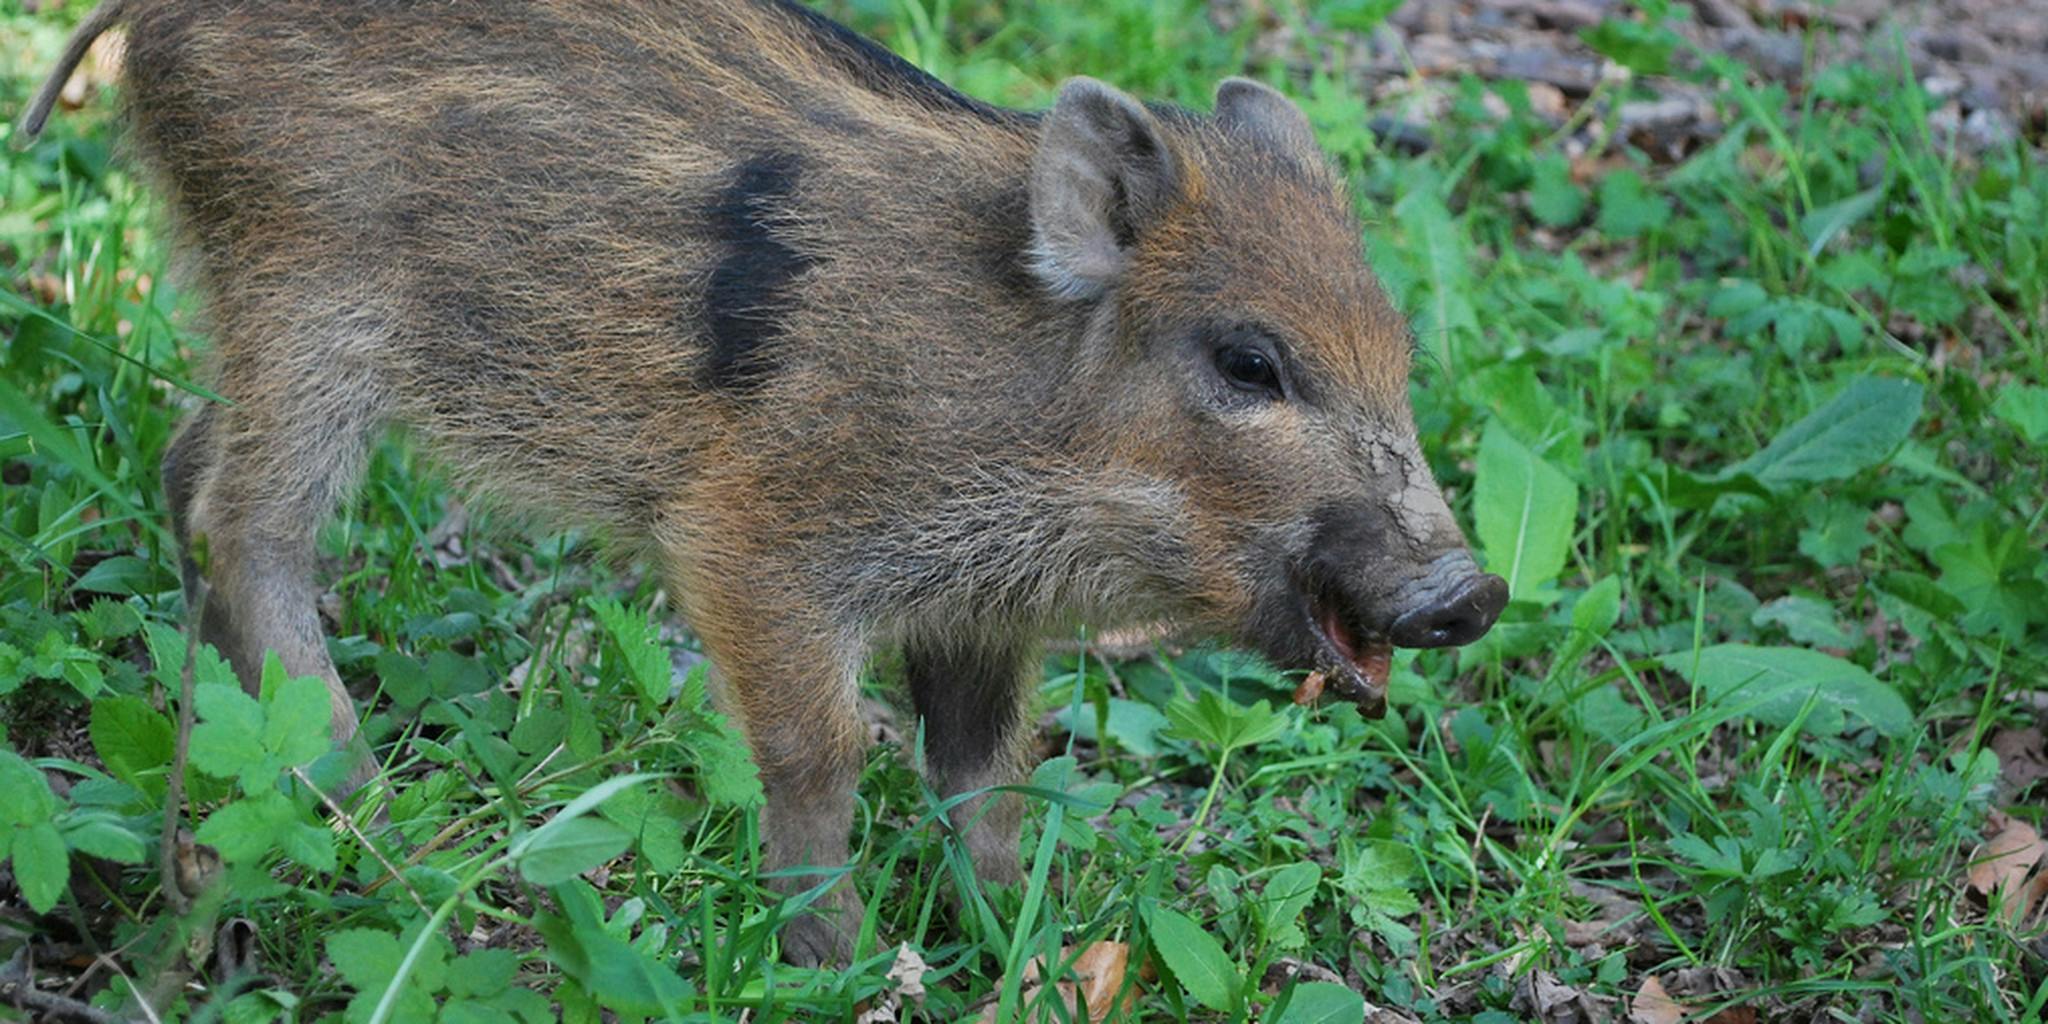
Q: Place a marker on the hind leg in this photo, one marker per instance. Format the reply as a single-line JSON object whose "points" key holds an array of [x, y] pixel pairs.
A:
{"points": [[185, 464], [249, 485]]}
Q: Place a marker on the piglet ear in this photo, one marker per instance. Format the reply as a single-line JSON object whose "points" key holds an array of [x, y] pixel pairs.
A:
{"points": [[1252, 110], [1102, 175]]}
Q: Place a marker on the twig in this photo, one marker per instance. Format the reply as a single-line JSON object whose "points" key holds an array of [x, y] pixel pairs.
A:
{"points": [[18, 989], [174, 788], [349, 824]]}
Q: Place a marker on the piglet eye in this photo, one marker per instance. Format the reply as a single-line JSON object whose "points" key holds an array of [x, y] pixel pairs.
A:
{"points": [[1249, 369]]}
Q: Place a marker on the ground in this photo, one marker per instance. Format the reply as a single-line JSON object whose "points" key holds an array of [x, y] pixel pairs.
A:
{"points": [[1734, 324]]}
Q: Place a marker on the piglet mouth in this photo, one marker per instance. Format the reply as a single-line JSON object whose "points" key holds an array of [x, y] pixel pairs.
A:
{"points": [[1352, 662]]}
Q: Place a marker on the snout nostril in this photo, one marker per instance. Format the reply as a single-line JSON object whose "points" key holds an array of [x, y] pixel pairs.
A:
{"points": [[1463, 617], [1455, 628]]}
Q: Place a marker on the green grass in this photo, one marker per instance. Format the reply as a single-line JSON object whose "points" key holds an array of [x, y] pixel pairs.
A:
{"points": [[1760, 436]]}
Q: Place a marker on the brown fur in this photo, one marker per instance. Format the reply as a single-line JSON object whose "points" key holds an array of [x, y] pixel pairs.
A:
{"points": [[859, 361]]}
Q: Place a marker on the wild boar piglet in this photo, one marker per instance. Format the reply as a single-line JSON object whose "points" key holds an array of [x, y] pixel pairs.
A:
{"points": [[856, 360]]}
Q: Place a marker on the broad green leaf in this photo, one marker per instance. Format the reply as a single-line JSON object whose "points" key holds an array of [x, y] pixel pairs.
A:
{"points": [[42, 865], [1599, 608], [25, 796], [13, 668], [726, 773], [228, 740], [366, 958], [2025, 407], [1822, 225], [654, 817], [1644, 47], [1836, 533], [309, 845], [1806, 620], [1628, 208], [558, 854], [1133, 725], [1195, 957], [295, 720], [99, 834], [1360, 16], [109, 619], [1443, 310], [1785, 678], [1518, 398], [1378, 874], [1525, 510], [1692, 490], [627, 979], [462, 1011], [59, 442], [250, 827], [1214, 720], [1554, 198], [1857, 429], [1288, 892], [1322, 1002], [1991, 571], [1922, 593], [485, 972], [133, 740], [124, 574], [646, 660]]}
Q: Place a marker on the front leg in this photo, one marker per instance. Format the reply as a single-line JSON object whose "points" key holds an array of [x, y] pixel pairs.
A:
{"points": [[972, 698], [795, 694]]}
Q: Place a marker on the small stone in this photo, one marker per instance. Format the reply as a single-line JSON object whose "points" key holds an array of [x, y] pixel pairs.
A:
{"points": [[1657, 115], [1404, 137], [1435, 54], [1960, 45], [1988, 129], [1546, 101], [1942, 87], [1780, 56], [2031, 70], [1386, 41], [1565, 15], [2019, 26], [1419, 18], [1983, 97], [1574, 77], [1947, 121], [1722, 14]]}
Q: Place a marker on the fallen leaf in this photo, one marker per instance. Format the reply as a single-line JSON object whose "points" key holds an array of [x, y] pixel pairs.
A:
{"points": [[907, 974], [1541, 993], [1288, 971], [2027, 900], [2022, 756], [1100, 970], [884, 1010], [1652, 1005], [1096, 975], [2001, 863], [1310, 689]]}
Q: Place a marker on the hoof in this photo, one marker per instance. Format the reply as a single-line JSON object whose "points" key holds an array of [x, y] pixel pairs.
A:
{"points": [[816, 940]]}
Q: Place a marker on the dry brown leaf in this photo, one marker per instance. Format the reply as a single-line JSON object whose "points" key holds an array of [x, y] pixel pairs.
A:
{"points": [[1100, 970], [1652, 1005], [1097, 974], [2022, 756], [2002, 862], [2026, 900], [907, 973]]}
